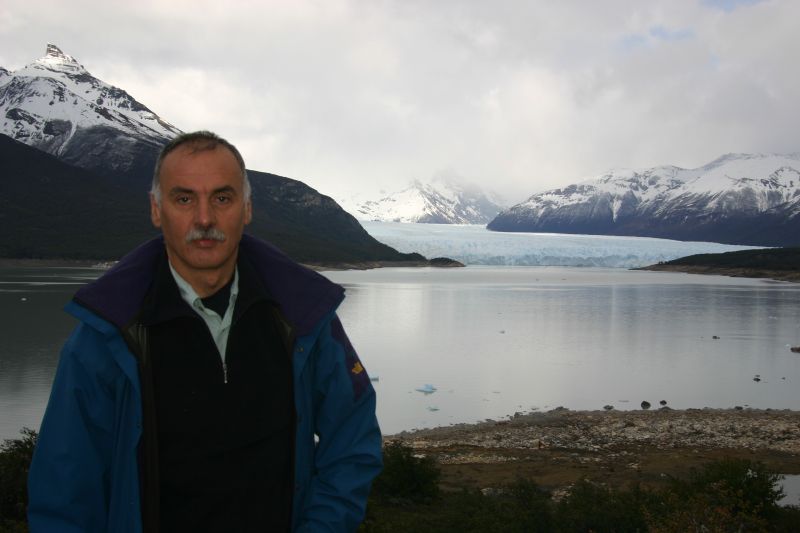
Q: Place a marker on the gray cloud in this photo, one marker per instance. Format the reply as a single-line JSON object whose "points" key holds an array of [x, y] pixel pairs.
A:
{"points": [[352, 95]]}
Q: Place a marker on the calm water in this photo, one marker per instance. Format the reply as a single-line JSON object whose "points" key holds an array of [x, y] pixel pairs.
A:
{"points": [[32, 330], [498, 340], [494, 340]]}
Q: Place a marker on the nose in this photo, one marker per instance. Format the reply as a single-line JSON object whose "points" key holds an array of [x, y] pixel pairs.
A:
{"points": [[204, 214]]}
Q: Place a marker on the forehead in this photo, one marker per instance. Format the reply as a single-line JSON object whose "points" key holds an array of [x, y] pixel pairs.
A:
{"points": [[185, 164]]}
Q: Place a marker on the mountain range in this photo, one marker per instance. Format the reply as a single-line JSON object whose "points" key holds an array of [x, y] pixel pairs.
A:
{"points": [[442, 201], [751, 199], [78, 157], [54, 104]]}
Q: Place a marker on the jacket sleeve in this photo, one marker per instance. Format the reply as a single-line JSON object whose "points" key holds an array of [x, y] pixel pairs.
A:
{"points": [[68, 483], [348, 455]]}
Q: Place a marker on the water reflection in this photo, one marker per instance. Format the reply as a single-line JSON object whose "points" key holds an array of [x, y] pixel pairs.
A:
{"points": [[34, 328], [494, 340]]}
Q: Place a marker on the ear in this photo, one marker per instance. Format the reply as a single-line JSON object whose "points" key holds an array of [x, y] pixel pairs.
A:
{"points": [[248, 212], [155, 211]]}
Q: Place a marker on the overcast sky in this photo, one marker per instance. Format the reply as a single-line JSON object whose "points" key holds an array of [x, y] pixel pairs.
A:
{"points": [[518, 96]]}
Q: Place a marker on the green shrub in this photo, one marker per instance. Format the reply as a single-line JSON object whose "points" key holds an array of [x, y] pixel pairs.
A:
{"points": [[406, 478], [15, 460], [591, 507], [519, 508], [726, 495], [741, 485], [528, 506]]}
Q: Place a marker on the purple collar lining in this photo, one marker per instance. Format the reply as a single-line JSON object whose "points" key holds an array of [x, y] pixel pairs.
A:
{"points": [[304, 296]]}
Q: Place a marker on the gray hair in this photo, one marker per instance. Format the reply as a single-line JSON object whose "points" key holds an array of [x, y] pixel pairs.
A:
{"points": [[199, 141]]}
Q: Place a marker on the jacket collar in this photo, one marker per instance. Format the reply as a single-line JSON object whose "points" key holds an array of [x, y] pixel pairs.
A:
{"points": [[304, 297]]}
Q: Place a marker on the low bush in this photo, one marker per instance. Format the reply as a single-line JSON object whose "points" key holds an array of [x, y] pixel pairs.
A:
{"points": [[406, 477], [15, 460], [728, 495], [724, 496], [592, 507]]}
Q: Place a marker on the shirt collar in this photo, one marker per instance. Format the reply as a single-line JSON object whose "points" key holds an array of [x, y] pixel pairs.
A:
{"points": [[190, 296], [165, 301]]}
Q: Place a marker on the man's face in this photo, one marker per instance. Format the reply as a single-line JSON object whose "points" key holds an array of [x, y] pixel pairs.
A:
{"points": [[203, 210]]}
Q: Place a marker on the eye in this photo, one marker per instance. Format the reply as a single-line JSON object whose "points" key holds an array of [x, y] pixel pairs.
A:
{"points": [[183, 199], [223, 199]]}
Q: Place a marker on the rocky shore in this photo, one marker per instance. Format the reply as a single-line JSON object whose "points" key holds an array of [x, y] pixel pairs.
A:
{"points": [[618, 448]]}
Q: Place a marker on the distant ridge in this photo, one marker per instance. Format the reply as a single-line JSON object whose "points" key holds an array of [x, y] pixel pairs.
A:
{"points": [[751, 199]]}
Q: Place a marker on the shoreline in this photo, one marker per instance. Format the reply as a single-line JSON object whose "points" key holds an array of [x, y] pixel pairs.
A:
{"points": [[777, 275], [792, 276], [7, 262], [617, 448], [356, 265]]}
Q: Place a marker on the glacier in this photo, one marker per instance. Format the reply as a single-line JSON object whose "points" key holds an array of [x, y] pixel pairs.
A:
{"points": [[473, 244]]}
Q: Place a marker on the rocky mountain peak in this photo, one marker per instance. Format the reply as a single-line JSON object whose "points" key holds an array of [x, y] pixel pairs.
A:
{"points": [[54, 51], [55, 105], [55, 59]]}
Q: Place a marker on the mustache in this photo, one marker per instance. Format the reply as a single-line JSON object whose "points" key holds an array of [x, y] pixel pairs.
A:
{"points": [[196, 234]]}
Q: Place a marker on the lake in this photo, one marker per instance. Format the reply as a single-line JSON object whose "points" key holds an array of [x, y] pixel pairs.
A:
{"points": [[494, 340]]}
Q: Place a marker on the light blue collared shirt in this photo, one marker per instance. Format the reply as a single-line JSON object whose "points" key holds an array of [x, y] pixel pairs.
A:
{"points": [[217, 325]]}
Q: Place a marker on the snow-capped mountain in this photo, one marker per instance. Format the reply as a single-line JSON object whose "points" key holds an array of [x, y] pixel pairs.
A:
{"points": [[738, 198], [78, 156], [54, 104], [440, 202]]}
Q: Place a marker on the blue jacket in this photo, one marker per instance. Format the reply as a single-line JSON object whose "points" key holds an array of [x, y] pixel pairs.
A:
{"points": [[85, 474]]}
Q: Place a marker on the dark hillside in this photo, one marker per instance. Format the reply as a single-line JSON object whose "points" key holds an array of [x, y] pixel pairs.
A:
{"points": [[769, 258], [776, 263], [311, 227], [52, 210]]}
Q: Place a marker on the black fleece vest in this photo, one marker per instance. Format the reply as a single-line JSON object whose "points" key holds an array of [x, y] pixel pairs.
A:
{"points": [[225, 449]]}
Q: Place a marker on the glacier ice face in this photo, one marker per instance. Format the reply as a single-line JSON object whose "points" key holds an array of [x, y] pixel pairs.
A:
{"points": [[475, 245]]}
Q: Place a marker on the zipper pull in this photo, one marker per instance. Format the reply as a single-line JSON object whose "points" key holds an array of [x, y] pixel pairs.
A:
{"points": [[225, 372]]}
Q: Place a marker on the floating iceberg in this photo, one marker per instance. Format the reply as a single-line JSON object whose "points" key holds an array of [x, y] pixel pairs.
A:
{"points": [[426, 389]]}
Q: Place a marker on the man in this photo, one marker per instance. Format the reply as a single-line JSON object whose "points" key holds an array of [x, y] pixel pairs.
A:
{"points": [[209, 385]]}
